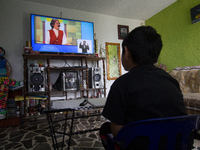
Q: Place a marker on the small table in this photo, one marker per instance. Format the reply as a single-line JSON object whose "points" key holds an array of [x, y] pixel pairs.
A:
{"points": [[65, 107]]}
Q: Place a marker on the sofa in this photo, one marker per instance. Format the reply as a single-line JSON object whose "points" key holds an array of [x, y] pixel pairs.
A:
{"points": [[189, 81]]}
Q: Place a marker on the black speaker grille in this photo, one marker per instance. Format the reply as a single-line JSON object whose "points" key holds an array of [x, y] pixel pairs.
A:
{"points": [[36, 79]]}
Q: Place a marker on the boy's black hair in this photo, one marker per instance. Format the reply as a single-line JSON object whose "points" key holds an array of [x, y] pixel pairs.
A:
{"points": [[144, 44]]}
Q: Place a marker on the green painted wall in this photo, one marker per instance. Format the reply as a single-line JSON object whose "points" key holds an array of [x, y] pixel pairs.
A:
{"points": [[181, 39]]}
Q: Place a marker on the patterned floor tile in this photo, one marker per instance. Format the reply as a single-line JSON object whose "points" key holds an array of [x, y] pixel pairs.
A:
{"points": [[37, 136]]}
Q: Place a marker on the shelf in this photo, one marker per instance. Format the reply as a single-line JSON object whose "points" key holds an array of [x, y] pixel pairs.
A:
{"points": [[95, 58], [62, 56], [68, 68], [92, 89], [56, 91], [14, 116], [14, 121], [53, 56], [82, 58], [37, 93], [35, 116]]}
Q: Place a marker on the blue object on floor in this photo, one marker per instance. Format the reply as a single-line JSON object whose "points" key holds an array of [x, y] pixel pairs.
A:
{"points": [[155, 128]]}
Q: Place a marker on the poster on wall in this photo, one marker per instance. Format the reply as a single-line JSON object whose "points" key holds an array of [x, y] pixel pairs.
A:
{"points": [[113, 60]]}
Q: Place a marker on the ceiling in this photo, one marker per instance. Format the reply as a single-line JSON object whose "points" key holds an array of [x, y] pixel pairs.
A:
{"points": [[132, 9]]}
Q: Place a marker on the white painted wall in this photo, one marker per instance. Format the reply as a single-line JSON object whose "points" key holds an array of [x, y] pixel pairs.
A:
{"points": [[15, 28]]}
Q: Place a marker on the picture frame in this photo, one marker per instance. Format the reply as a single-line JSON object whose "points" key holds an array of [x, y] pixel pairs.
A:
{"points": [[113, 60], [123, 31]]}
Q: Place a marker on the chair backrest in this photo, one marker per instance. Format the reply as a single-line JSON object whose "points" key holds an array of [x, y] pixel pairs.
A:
{"points": [[155, 128]]}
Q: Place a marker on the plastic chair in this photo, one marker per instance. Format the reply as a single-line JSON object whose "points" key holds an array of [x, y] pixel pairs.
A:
{"points": [[154, 129]]}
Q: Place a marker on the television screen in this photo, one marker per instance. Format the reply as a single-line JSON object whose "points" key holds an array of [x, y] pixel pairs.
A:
{"points": [[195, 14], [52, 35]]}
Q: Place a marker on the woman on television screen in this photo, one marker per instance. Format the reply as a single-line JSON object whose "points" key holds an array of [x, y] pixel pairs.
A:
{"points": [[55, 35]]}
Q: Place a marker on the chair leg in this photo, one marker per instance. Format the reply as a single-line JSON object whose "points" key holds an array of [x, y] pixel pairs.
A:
{"points": [[70, 133], [53, 135], [64, 133]]}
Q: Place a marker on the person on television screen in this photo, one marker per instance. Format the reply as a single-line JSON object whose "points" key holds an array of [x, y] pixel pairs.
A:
{"points": [[55, 35], [84, 47], [144, 92]]}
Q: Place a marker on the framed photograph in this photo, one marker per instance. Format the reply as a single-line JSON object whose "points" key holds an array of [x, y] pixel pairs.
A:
{"points": [[122, 31], [113, 60]]}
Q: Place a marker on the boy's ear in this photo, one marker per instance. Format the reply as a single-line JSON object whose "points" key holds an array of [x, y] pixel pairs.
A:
{"points": [[127, 53]]}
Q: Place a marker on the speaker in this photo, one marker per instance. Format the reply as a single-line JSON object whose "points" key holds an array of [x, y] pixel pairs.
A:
{"points": [[94, 77], [36, 78]]}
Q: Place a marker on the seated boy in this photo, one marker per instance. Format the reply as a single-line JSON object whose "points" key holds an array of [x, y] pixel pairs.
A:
{"points": [[144, 92]]}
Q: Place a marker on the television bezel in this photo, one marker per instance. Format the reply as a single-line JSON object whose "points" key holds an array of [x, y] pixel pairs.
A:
{"points": [[32, 38]]}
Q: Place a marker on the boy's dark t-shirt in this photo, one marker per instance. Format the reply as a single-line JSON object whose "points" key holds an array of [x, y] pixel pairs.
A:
{"points": [[144, 92]]}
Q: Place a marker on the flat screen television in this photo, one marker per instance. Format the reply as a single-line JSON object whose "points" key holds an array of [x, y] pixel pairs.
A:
{"points": [[59, 35], [195, 14]]}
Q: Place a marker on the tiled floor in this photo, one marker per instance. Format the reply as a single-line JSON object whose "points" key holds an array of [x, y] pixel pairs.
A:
{"points": [[36, 136]]}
